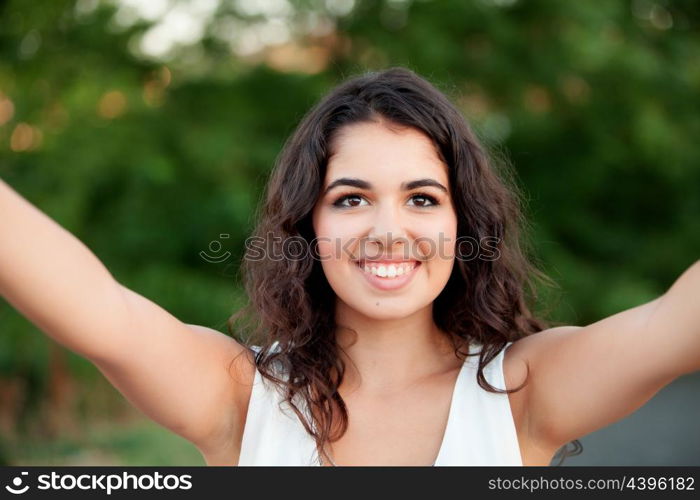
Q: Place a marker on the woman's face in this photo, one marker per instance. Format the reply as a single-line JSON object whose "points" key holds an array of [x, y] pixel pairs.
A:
{"points": [[385, 222]]}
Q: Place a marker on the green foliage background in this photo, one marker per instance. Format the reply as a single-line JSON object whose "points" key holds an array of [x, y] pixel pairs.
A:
{"points": [[594, 103]]}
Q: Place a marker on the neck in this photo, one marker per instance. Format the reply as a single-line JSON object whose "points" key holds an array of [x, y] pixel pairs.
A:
{"points": [[387, 354]]}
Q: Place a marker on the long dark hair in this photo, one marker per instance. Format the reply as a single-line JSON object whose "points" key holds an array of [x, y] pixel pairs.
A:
{"points": [[290, 313]]}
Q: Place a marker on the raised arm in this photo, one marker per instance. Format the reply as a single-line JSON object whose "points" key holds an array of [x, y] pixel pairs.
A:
{"points": [[585, 378], [181, 376]]}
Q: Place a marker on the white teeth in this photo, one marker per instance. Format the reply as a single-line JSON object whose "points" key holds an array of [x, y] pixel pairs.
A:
{"points": [[389, 271]]}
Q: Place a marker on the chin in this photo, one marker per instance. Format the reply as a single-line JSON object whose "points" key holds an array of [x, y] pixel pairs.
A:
{"points": [[388, 308]]}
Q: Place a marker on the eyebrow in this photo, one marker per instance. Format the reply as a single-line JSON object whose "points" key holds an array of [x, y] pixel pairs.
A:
{"points": [[405, 186]]}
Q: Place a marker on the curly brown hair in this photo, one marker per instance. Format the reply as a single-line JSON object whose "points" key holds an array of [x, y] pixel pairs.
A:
{"points": [[290, 311]]}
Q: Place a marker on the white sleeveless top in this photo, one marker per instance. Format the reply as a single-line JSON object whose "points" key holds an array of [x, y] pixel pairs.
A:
{"points": [[480, 428]]}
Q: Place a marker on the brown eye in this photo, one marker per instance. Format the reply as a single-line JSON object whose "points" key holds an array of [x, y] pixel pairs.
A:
{"points": [[424, 200], [353, 200]]}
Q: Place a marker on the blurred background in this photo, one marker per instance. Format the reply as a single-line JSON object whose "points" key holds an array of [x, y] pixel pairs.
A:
{"points": [[148, 129]]}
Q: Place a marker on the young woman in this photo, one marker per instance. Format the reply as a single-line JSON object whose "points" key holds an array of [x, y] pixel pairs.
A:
{"points": [[388, 299]]}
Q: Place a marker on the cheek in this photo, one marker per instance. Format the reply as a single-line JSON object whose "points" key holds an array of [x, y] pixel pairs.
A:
{"points": [[324, 245], [338, 236], [437, 241], [332, 239], [324, 235]]}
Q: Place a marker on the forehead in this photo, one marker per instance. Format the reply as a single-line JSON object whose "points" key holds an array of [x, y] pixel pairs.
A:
{"points": [[374, 151]]}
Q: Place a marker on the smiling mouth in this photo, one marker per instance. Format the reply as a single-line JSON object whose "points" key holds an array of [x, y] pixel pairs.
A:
{"points": [[387, 270]]}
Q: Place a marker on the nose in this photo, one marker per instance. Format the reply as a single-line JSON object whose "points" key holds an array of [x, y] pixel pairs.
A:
{"points": [[387, 234]]}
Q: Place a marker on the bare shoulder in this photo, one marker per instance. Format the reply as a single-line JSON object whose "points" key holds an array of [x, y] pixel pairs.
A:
{"points": [[519, 356], [518, 360], [516, 372], [241, 366], [237, 366], [583, 378]]}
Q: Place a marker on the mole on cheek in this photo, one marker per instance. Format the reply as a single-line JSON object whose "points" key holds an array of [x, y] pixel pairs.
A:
{"points": [[377, 303]]}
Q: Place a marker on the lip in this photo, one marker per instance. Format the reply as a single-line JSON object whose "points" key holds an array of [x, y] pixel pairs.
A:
{"points": [[387, 283], [385, 261]]}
